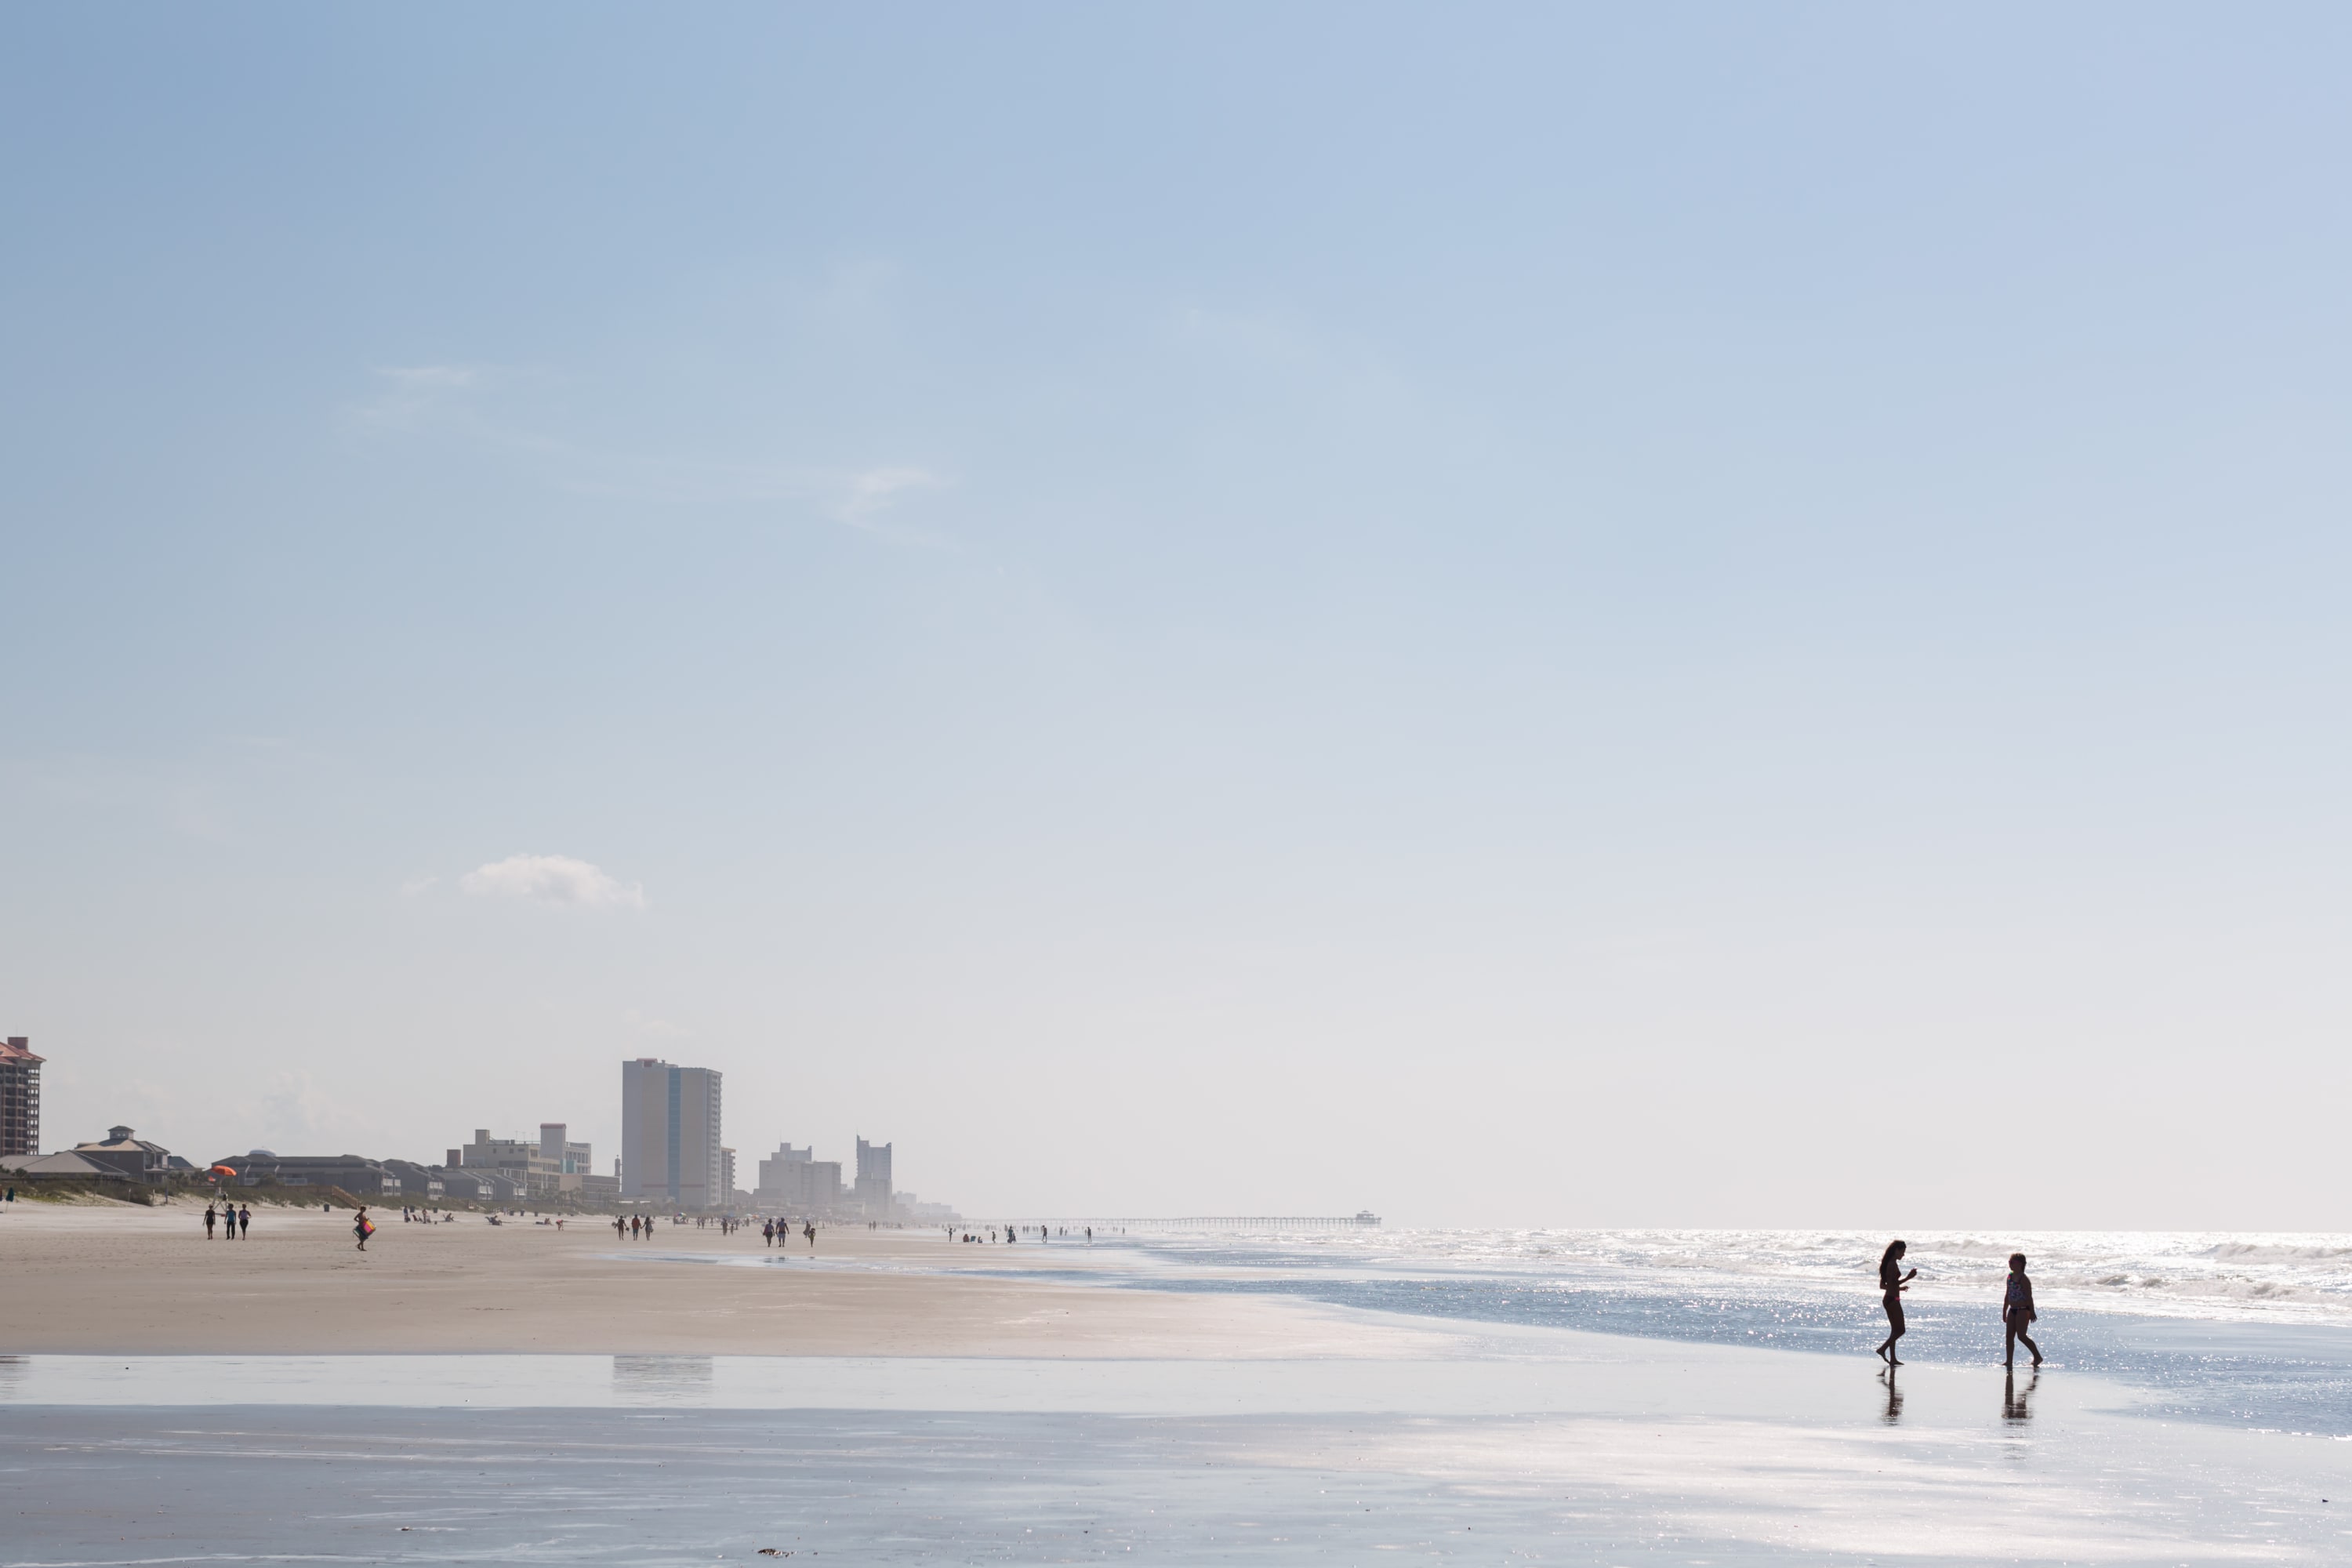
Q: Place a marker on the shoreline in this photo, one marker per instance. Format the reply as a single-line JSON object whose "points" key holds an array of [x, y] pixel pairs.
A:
{"points": [[914, 1399]]}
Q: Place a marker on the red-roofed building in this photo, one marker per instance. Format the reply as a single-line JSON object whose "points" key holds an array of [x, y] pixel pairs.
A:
{"points": [[20, 1098]]}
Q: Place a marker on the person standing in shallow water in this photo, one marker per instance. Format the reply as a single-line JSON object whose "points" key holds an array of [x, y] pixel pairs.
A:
{"points": [[1891, 1283], [2017, 1314]]}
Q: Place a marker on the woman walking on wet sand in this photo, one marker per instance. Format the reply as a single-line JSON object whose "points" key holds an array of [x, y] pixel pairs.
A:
{"points": [[1891, 1283]]}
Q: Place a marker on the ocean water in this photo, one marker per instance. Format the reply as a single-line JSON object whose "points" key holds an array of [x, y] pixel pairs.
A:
{"points": [[2252, 1329]]}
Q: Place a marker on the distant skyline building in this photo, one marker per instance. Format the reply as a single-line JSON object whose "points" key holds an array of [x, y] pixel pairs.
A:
{"points": [[796, 1180], [873, 1190], [20, 1098], [569, 1159], [545, 1167], [772, 1175], [670, 1142]]}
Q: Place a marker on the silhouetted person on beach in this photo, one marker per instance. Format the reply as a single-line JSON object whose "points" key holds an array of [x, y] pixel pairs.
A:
{"points": [[2017, 1314], [210, 1215], [362, 1228], [1891, 1283], [244, 1220], [808, 1229]]}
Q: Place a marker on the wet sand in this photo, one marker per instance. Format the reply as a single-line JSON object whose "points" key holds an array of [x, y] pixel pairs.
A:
{"points": [[126, 1280], [1554, 1447], [164, 1399]]}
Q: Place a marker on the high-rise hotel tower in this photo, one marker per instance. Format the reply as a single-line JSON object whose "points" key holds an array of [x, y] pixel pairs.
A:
{"points": [[670, 1149], [20, 1098]]}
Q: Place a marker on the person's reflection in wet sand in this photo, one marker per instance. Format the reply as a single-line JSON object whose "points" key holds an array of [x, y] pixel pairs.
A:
{"points": [[2013, 1407], [1894, 1398]]}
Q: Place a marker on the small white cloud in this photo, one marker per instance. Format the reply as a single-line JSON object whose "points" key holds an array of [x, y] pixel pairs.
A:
{"points": [[416, 887], [875, 489], [551, 879], [430, 374], [412, 397]]}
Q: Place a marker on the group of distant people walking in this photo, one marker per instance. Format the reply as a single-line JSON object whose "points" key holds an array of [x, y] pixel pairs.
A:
{"points": [[1014, 1233], [238, 1220], [2017, 1314], [778, 1233]]}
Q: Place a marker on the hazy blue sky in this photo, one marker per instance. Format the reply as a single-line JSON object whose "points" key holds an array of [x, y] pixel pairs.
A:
{"points": [[1512, 615]]}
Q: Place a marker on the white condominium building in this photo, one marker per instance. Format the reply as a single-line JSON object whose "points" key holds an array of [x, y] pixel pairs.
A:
{"points": [[670, 1149]]}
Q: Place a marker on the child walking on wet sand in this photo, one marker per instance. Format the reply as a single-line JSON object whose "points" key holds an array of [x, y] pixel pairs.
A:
{"points": [[1892, 1282], [2017, 1314]]}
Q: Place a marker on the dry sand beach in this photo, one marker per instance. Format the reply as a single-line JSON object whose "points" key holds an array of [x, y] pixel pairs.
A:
{"points": [[117, 1279]]}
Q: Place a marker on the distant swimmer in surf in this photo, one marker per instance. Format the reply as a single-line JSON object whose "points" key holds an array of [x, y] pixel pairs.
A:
{"points": [[1892, 1282]]}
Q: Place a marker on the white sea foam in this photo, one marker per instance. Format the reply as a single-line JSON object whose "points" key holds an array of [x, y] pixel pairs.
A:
{"points": [[2226, 1276]]}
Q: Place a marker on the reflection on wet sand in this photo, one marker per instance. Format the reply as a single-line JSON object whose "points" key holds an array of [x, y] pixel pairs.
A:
{"points": [[1894, 1398], [2013, 1400], [662, 1378]]}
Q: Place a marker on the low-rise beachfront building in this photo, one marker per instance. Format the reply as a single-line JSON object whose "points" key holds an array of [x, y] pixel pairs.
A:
{"points": [[417, 1182], [134, 1157], [60, 1167], [483, 1185], [353, 1173]]}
